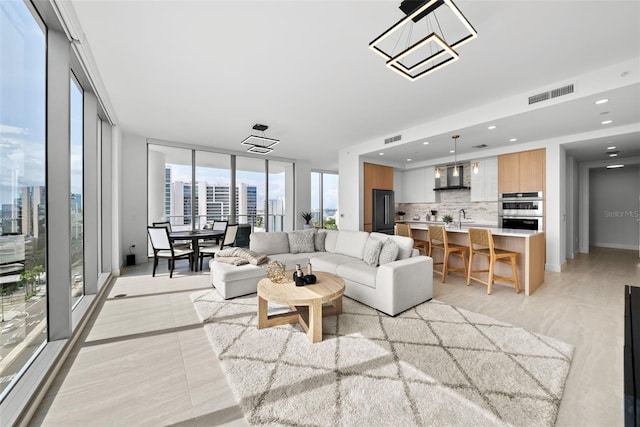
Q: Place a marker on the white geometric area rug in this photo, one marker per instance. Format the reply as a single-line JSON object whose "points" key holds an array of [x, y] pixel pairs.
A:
{"points": [[431, 365]]}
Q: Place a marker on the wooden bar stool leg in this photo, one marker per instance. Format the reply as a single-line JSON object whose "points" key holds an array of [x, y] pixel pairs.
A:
{"points": [[490, 281], [445, 265], [515, 274], [466, 267], [470, 268]]}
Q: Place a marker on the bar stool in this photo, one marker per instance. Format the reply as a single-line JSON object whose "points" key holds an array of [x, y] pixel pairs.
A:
{"points": [[483, 238], [405, 230], [438, 239]]}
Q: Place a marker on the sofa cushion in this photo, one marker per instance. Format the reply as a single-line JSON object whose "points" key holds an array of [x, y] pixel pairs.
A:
{"points": [[405, 244], [318, 241], [301, 241], [325, 261], [359, 272], [331, 240], [372, 251], [290, 260], [276, 242], [351, 243], [389, 252]]}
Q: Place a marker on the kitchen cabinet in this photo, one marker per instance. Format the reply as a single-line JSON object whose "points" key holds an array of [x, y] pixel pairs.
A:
{"points": [[417, 186], [522, 171], [484, 184]]}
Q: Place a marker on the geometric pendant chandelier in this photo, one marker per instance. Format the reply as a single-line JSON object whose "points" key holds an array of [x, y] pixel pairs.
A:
{"points": [[416, 45], [260, 144]]}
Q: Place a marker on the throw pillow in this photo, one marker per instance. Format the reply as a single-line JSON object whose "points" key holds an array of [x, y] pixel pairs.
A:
{"points": [[389, 252], [301, 241], [372, 251], [318, 242]]}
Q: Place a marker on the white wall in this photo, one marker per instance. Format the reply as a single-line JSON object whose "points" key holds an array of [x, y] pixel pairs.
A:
{"points": [[134, 197], [302, 192], [613, 210]]}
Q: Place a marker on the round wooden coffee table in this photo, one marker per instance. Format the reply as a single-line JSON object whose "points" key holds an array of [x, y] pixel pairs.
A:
{"points": [[306, 302]]}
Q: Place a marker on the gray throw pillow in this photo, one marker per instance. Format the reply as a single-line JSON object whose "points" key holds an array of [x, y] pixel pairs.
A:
{"points": [[318, 242], [372, 251], [301, 241], [389, 252]]}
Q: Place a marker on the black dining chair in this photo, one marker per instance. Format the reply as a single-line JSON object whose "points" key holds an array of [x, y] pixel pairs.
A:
{"points": [[228, 240], [164, 248]]}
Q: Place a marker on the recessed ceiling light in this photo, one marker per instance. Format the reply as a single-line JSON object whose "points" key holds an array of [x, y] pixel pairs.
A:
{"points": [[601, 101], [492, 127], [425, 143], [408, 160], [513, 139], [606, 122], [613, 154], [615, 166], [382, 154], [613, 147]]}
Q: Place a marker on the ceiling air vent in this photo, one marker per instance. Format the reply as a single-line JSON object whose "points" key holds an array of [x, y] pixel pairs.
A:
{"points": [[554, 93], [565, 90], [393, 139], [479, 146]]}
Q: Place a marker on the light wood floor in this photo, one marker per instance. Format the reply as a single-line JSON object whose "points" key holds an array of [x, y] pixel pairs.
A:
{"points": [[146, 360]]}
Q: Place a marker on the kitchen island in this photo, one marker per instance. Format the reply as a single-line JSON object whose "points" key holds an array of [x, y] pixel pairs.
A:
{"points": [[530, 244]]}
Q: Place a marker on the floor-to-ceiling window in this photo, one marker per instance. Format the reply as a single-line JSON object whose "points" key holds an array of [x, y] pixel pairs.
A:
{"points": [[324, 199], [76, 114], [213, 187], [277, 204], [251, 192], [170, 186], [23, 312]]}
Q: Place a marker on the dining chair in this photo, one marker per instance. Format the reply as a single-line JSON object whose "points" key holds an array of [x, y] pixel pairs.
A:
{"points": [[217, 225], [230, 232], [405, 230], [439, 240], [481, 243], [177, 244], [164, 248]]}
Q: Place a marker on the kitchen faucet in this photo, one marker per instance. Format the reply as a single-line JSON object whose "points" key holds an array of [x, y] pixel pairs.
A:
{"points": [[464, 215]]}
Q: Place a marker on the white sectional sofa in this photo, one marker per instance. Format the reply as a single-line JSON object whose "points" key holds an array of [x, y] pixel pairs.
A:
{"points": [[400, 282]]}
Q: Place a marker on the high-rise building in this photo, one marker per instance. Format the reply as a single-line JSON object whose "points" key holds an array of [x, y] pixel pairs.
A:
{"points": [[212, 203]]}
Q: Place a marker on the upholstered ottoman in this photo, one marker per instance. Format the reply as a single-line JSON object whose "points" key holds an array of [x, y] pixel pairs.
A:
{"points": [[235, 280]]}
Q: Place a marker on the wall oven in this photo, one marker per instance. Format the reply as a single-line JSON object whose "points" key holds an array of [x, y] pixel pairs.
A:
{"points": [[523, 211]]}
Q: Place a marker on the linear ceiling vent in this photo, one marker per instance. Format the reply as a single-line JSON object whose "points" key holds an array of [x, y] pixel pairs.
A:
{"points": [[554, 93], [480, 146], [393, 139]]}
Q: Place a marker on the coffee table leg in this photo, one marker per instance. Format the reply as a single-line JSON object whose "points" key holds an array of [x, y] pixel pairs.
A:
{"points": [[337, 304], [315, 322], [262, 313]]}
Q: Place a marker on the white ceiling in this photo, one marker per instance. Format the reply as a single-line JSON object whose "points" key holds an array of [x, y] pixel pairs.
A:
{"points": [[204, 72]]}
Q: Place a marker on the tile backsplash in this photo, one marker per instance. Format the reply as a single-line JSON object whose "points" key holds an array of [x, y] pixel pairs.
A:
{"points": [[451, 202]]}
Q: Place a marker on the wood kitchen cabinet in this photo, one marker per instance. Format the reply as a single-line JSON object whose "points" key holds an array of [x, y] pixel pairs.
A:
{"points": [[522, 171], [375, 177]]}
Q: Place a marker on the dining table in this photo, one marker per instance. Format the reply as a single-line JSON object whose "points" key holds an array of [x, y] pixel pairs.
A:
{"points": [[195, 236]]}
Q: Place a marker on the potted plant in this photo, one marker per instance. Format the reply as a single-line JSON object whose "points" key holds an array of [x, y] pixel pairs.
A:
{"points": [[307, 216], [448, 219], [401, 215]]}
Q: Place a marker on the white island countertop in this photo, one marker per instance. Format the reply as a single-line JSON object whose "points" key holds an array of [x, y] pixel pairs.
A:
{"points": [[496, 231]]}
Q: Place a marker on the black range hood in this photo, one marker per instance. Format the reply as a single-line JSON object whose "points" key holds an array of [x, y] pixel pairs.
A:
{"points": [[451, 182]]}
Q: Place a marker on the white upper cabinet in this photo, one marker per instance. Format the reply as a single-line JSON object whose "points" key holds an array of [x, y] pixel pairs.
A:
{"points": [[484, 184], [417, 186]]}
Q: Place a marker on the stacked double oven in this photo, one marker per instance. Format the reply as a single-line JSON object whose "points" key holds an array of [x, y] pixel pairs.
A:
{"points": [[523, 211]]}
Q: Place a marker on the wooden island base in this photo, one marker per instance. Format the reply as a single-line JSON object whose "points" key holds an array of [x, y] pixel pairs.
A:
{"points": [[531, 246]]}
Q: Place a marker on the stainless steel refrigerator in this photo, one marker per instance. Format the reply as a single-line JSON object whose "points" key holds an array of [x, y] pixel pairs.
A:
{"points": [[383, 211]]}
